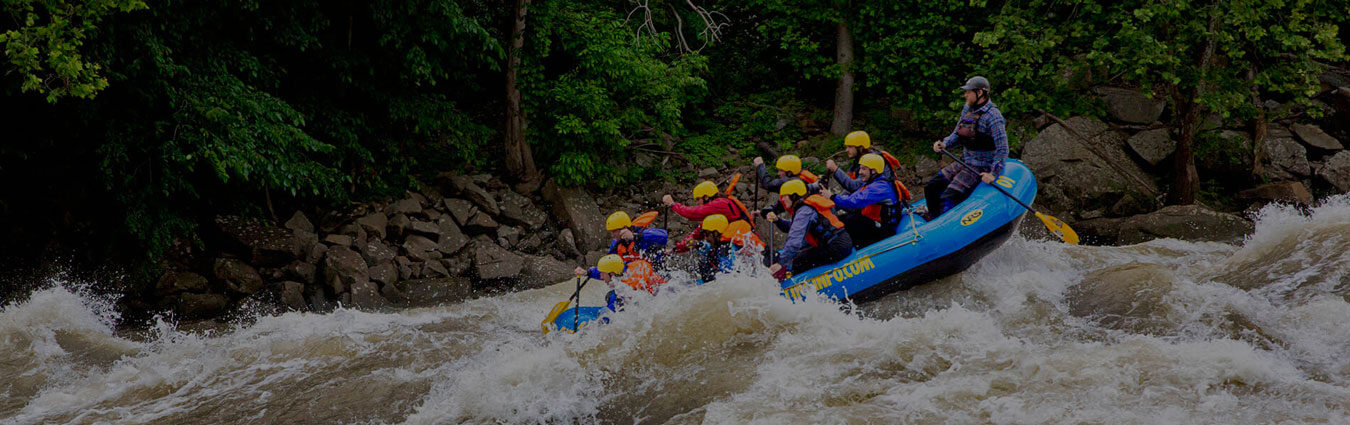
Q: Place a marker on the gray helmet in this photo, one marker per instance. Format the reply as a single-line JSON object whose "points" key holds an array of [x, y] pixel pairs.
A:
{"points": [[976, 83]]}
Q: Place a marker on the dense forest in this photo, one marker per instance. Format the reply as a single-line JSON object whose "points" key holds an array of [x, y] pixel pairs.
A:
{"points": [[129, 123]]}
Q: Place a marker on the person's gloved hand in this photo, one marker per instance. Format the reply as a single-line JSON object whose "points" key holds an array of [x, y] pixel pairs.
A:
{"points": [[681, 247], [779, 273]]}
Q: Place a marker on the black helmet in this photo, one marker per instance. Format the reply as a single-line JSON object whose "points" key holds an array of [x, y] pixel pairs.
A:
{"points": [[976, 83]]}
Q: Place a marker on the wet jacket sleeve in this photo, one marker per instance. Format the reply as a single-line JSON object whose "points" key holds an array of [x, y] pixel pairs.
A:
{"points": [[849, 184], [951, 139], [695, 212], [801, 223], [593, 273], [613, 247], [878, 191]]}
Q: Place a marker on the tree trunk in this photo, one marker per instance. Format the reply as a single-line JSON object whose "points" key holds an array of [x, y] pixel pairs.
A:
{"points": [[1185, 180], [1257, 128], [519, 158], [843, 91]]}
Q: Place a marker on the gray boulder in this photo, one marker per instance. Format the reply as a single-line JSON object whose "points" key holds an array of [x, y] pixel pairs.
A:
{"points": [[338, 240], [299, 271], [543, 270], [465, 187], [384, 273], [461, 210], [1286, 159], [366, 295], [431, 291], [517, 209], [354, 230], [494, 262], [406, 207], [173, 282], [434, 268], [374, 224], [451, 238], [293, 295], [343, 267], [237, 275], [578, 211], [458, 265], [299, 223], [261, 244], [420, 248], [376, 252], [531, 243], [509, 234], [1287, 191], [568, 244], [1315, 137], [481, 223], [1185, 222], [198, 306], [425, 228], [1074, 177], [1153, 145], [1336, 171], [1130, 106], [398, 225]]}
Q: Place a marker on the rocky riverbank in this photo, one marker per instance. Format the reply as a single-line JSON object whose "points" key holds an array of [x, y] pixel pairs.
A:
{"points": [[464, 235]]}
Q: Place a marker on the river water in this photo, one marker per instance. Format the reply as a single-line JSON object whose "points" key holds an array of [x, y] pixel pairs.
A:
{"points": [[1037, 332]]}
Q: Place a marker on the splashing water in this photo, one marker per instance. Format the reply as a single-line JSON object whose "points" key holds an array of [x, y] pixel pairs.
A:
{"points": [[1037, 332]]}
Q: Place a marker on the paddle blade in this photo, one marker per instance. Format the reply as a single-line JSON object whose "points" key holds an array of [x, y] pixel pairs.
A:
{"points": [[1061, 230], [553, 314]]}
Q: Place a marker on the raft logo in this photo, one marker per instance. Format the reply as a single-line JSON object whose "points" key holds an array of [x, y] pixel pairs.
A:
{"points": [[828, 279], [971, 218], [1005, 181]]}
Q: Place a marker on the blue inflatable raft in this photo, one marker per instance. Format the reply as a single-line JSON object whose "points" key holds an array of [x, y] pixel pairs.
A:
{"points": [[922, 251]]}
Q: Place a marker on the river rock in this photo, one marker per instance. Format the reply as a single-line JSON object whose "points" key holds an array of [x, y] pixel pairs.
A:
{"points": [[198, 306], [261, 244], [1153, 145], [384, 273], [451, 239], [518, 210], [434, 268], [406, 207], [1185, 222], [419, 248], [173, 282], [302, 244], [577, 210], [398, 225], [376, 252], [430, 291], [465, 187], [543, 270], [407, 268], [299, 271], [481, 223], [1074, 178], [1097, 231], [494, 262], [1315, 137], [425, 228], [366, 294], [354, 230], [509, 234], [568, 244], [531, 243], [237, 275], [1336, 171], [461, 210], [707, 173], [293, 295], [1286, 159], [393, 294], [374, 224], [343, 267], [1287, 191], [458, 265], [593, 257], [925, 168], [338, 240], [299, 223], [1130, 106]]}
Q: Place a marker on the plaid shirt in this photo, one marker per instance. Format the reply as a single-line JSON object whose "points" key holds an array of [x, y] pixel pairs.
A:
{"points": [[991, 123]]}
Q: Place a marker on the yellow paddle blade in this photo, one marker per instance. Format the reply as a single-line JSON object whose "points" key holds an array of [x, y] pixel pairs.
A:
{"points": [[553, 314], [1063, 231]]}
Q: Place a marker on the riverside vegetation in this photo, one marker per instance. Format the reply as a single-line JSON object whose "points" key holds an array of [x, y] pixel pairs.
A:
{"points": [[441, 147]]}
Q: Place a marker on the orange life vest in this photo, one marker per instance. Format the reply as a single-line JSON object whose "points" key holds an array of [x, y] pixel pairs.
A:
{"points": [[639, 274], [740, 233], [900, 189], [823, 207]]}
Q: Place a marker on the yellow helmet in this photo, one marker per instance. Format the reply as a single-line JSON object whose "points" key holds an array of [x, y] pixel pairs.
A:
{"points": [[793, 187], [715, 223], [790, 163], [705, 189], [873, 161], [617, 221], [858, 138], [611, 263]]}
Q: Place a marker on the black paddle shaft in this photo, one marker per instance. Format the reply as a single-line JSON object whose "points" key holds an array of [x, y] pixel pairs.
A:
{"points": [[576, 312], [977, 173]]}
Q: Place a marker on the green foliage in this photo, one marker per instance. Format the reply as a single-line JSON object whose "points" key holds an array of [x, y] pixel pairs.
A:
{"points": [[45, 48], [591, 93]]}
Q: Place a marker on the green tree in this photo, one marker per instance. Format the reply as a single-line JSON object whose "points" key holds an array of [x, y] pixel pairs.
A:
{"points": [[45, 47]]}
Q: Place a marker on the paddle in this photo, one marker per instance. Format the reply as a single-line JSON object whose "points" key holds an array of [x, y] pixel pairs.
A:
{"points": [[1054, 225]]}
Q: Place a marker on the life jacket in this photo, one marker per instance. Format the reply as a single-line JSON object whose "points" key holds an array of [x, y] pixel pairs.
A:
{"points": [[808, 176], [644, 240], [968, 131], [639, 274], [740, 233], [742, 211], [824, 207], [900, 190], [887, 213]]}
